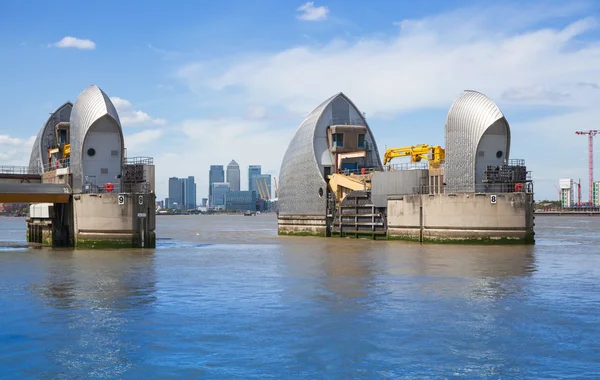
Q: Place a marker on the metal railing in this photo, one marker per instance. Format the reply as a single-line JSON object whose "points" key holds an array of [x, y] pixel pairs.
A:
{"points": [[21, 170], [138, 161], [57, 164], [500, 188], [567, 210], [406, 166], [91, 187], [346, 121], [516, 162], [361, 171]]}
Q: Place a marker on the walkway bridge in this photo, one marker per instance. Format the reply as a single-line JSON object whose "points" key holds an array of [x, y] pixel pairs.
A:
{"points": [[20, 185]]}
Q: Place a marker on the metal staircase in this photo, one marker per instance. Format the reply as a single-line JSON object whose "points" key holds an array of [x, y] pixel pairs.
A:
{"points": [[356, 216]]}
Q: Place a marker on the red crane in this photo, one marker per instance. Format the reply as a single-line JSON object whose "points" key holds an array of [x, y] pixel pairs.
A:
{"points": [[591, 135]]}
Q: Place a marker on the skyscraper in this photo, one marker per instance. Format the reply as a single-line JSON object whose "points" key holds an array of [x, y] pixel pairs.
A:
{"points": [[190, 193], [233, 176], [253, 171], [215, 175], [175, 193]]}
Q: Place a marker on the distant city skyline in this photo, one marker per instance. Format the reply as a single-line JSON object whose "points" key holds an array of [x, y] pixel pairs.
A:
{"points": [[228, 182]]}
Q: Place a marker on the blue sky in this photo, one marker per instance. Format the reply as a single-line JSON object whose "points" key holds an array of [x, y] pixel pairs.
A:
{"points": [[199, 83]]}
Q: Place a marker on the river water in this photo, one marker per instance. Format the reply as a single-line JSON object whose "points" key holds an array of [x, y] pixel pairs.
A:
{"points": [[225, 297]]}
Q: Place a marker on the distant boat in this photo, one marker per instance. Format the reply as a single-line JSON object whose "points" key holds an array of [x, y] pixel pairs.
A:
{"points": [[249, 213]]}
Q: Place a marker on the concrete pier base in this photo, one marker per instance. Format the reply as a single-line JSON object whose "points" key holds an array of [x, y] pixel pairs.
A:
{"points": [[114, 220], [302, 225], [39, 231], [462, 218], [105, 220]]}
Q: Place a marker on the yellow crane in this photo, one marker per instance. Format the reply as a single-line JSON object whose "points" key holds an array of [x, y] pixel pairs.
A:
{"points": [[266, 188], [260, 190], [434, 154], [263, 188]]}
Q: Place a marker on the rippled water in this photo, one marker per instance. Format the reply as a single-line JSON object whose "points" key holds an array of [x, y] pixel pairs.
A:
{"points": [[224, 297]]}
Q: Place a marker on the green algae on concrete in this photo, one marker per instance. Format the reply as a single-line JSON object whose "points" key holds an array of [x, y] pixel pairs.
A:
{"points": [[404, 238], [104, 243], [301, 233], [113, 243], [479, 241]]}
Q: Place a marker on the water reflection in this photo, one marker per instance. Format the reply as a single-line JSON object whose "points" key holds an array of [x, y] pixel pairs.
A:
{"points": [[345, 268], [99, 296], [106, 279], [465, 271]]}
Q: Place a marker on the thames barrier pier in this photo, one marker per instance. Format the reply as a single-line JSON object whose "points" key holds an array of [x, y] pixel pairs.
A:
{"points": [[333, 183], [105, 198]]}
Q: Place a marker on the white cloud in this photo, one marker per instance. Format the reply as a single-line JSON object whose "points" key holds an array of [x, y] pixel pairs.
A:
{"points": [[312, 13], [165, 87], [15, 151], [256, 112], [72, 42], [130, 117], [426, 64], [137, 142]]}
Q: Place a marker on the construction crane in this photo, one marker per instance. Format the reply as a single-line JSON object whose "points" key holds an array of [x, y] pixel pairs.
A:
{"points": [[559, 193], [263, 188], [591, 134], [267, 192], [434, 154], [261, 194]]}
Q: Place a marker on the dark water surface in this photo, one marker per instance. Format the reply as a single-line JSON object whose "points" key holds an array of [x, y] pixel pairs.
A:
{"points": [[224, 297]]}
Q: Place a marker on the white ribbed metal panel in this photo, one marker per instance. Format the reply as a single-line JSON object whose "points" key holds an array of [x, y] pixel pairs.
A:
{"points": [[39, 151], [91, 105], [301, 176], [471, 114]]}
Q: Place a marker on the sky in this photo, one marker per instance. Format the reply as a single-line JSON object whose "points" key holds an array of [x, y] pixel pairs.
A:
{"points": [[199, 83]]}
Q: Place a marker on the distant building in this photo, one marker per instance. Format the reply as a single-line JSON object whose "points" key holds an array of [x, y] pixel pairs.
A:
{"points": [[233, 176], [219, 192], [215, 175], [240, 201], [190, 194], [566, 192], [204, 202], [596, 193], [253, 172], [263, 184], [182, 192], [175, 192]]}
